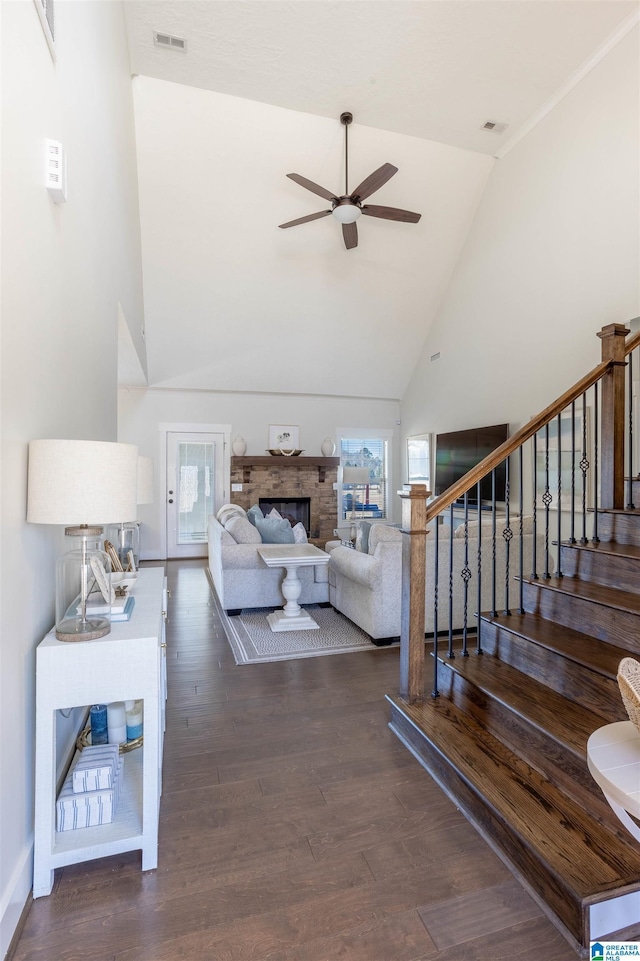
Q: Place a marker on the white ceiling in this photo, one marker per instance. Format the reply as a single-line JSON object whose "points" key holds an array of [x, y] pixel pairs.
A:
{"points": [[429, 69]]}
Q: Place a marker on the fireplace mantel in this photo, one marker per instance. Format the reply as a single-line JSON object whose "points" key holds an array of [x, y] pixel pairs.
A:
{"points": [[282, 461]]}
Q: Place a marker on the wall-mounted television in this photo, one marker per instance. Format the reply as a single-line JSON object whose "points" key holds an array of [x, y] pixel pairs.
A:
{"points": [[460, 450]]}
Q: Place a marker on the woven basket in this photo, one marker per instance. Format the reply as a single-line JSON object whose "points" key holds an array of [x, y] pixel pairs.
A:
{"points": [[629, 684]]}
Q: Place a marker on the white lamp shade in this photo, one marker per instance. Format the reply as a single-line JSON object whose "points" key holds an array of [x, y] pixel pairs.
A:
{"points": [[355, 475], [81, 482], [145, 480]]}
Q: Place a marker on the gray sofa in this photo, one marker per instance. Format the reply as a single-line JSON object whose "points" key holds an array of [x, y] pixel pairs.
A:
{"points": [[239, 575], [366, 586]]}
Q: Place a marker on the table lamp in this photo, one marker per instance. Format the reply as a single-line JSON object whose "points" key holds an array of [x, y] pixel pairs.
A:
{"points": [[358, 477], [126, 535], [82, 484]]}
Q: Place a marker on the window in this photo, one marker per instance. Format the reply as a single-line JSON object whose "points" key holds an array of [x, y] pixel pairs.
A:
{"points": [[368, 450], [419, 459]]}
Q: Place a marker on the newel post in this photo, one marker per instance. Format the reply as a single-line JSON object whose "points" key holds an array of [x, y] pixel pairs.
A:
{"points": [[612, 417], [414, 524]]}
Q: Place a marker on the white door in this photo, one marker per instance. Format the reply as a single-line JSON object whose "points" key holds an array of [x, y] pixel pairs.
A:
{"points": [[195, 487]]}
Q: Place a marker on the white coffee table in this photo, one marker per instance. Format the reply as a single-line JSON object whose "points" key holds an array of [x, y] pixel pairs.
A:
{"points": [[292, 556]]}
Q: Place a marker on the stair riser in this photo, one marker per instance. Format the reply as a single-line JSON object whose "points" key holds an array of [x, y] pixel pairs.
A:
{"points": [[606, 569], [511, 848], [557, 762], [624, 528], [605, 623], [575, 682]]}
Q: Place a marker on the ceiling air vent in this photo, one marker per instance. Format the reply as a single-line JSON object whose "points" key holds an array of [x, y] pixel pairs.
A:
{"points": [[494, 127], [166, 40]]}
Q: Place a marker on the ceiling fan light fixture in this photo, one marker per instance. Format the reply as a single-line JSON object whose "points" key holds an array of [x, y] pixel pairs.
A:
{"points": [[346, 212]]}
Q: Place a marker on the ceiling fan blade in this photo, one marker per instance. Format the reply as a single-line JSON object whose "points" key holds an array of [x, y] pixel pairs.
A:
{"points": [[374, 181], [350, 234], [305, 220], [314, 188], [391, 213]]}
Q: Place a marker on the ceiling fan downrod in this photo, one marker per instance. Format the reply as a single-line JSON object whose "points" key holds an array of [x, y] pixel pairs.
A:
{"points": [[346, 118]]}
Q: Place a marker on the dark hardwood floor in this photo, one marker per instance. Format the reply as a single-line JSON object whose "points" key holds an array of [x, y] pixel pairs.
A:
{"points": [[294, 826]]}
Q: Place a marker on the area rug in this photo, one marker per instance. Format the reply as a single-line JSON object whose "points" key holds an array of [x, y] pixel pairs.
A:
{"points": [[253, 642]]}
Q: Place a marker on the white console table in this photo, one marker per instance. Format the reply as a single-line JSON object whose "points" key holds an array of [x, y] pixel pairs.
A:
{"points": [[126, 664]]}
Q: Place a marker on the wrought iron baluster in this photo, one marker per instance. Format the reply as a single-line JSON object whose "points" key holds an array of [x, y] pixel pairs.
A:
{"points": [[596, 433], [546, 500], [450, 650], [507, 534], [465, 574], [559, 490], [572, 516], [479, 614], [435, 692], [534, 511], [584, 467], [630, 504], [521, 502], [494, 612]]}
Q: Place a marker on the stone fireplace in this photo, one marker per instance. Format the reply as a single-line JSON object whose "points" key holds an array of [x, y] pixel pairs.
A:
{"points": [[289, 480]]}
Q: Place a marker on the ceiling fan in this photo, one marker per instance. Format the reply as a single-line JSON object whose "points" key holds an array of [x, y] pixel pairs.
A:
{"points": [[348, 207]]}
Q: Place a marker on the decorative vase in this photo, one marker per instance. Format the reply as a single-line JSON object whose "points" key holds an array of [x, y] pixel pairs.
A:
{"points": [[327, 447], [239, 447]]}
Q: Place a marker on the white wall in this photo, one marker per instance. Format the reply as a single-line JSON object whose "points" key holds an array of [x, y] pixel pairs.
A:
{"points": [[65, 269], [553, 255], [140, 412]]}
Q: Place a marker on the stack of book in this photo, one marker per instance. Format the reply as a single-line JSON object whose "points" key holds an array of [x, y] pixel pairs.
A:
{"points": [[120, 609], [91, 790]]}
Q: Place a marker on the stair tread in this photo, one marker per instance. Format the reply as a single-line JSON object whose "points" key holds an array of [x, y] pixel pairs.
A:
{"points": [[590, 591], [605, 547], [581, 648], [590, 860], [568, 723]]}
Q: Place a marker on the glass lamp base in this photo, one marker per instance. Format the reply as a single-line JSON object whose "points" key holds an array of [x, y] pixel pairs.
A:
{"points": [[75, 629]]}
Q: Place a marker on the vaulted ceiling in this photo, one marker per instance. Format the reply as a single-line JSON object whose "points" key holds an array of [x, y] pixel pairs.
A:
{"points": [[233, 303]]}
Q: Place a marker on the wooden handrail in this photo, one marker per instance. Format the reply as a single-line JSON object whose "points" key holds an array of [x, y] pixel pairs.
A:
{"points": [[632, 343], [512, 443]]}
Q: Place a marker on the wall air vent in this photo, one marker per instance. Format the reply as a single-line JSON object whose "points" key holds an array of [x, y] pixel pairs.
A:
{"points": [[166, 40], [494, 126]]}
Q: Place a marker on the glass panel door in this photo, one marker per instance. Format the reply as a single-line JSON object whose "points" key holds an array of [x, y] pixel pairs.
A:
{"points": [[192, 483]]}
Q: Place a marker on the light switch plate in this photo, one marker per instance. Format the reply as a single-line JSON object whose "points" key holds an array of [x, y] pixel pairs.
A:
{"points": [[236, 487]]}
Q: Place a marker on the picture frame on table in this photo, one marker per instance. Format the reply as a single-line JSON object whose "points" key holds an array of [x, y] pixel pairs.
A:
{"points": [[284, 437], [567, 451]]}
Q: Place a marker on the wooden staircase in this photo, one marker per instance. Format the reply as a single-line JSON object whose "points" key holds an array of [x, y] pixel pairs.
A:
{"points": [[506, 737]]}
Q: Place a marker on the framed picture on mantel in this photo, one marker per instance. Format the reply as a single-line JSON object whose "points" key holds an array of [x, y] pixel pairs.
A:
{"points": [[283, 437]]}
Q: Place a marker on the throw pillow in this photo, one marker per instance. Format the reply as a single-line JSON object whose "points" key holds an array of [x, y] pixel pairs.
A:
{"points": [[227, 511], [273, 513], [274, 530], [299, 534], [254, 512], [242, 530]]}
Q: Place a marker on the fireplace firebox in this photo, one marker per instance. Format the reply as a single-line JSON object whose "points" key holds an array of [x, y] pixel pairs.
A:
{"points": [[297, 510]]}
